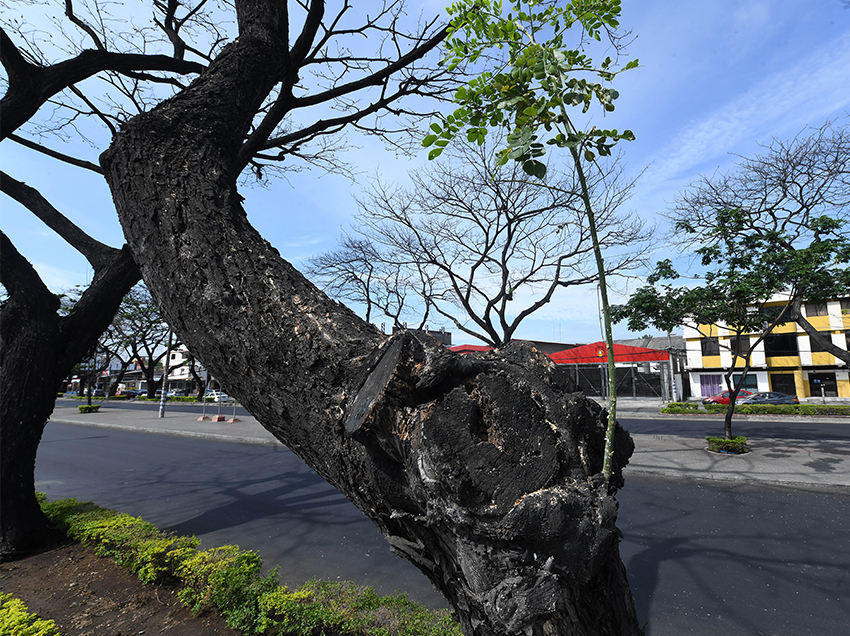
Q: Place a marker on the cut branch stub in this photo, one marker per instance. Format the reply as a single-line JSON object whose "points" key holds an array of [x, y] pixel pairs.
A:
{"points": [[483, 470]]}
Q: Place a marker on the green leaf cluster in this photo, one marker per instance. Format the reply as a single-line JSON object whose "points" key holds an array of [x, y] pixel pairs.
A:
{"points": [[15, 619], [528, 89]]}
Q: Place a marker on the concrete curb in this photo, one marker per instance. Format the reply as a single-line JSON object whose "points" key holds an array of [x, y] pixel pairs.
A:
{"points": [[173, 432]]}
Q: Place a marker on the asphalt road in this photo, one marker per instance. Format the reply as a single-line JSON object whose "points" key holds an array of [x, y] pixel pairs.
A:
{"points": [[703, 558], [761, 427]]}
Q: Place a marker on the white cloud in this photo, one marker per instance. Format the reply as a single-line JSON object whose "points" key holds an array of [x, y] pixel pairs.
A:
{"points": [[780, 105]]}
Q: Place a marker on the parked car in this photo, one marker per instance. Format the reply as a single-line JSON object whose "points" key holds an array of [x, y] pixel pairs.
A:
{"points": [[769, 397], [176, 393], [97, 393], [130, 393], [723, 398], [217, 396]]}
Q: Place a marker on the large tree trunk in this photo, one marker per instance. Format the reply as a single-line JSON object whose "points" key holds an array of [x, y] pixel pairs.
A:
{"points": [[483, 471], [39, 349]]}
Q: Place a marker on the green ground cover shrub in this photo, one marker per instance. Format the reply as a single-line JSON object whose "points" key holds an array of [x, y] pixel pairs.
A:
{"points": [[85, 408], [15, 620], [783, 409], [130, 541], [681, 407], [736, 445], [231, 579], [824, 409], [350, 609]]}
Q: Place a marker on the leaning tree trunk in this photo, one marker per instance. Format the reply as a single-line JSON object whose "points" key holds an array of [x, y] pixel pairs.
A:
{"points": [[39, 348], [483, 471]]}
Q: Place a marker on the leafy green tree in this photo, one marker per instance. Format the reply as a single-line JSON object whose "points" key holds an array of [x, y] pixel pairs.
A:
{"points": [[727, 301], [775, 228], [535, 67], [780, 219]]}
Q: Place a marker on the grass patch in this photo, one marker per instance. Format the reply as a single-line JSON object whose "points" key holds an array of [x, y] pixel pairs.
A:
{"points": [[230, 579], [85, 408]]}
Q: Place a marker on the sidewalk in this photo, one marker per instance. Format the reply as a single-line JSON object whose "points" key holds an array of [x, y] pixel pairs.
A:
{"points": [[791, 462], [182, 423]]}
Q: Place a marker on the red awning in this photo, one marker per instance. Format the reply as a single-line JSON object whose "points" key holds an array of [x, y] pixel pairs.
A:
{"points": [[468, 348], [595, 353]]}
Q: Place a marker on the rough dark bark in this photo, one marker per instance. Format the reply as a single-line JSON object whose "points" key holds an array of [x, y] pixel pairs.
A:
{"points": [[39, 348], [482, 471]]}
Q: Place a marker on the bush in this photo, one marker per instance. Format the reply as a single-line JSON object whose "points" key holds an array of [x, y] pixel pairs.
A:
{"points": [[350, 609], [784, 409], [230, 579], [735, 446], [129, 541], [85, 408], [681, 407], [15, 620], [824, 409]]}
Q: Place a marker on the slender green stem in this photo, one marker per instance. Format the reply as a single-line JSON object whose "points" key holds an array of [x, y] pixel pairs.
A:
{"points": [[606, 317]]}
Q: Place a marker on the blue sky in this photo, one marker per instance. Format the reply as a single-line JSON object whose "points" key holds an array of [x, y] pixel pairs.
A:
{"points": [[716, 78]]}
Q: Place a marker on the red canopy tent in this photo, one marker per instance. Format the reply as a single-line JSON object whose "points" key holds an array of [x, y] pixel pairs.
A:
{"points": [[595, 353]]}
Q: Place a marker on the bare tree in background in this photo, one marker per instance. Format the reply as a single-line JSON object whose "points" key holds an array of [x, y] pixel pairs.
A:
{"points": [[361, 272], [493, 245]]}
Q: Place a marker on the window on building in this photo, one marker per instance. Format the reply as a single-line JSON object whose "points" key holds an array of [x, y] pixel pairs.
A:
{"points": [[750, 382], [710, 385], [816, 309], [781, 344], [710, 346], [740, 345], [816, 348]]}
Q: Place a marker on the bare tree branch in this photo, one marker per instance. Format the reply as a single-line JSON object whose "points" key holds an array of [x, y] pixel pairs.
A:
{"points": [[95, 252]]}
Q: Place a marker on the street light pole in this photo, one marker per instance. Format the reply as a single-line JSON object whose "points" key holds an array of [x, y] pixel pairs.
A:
{"points": [[164, 382]]}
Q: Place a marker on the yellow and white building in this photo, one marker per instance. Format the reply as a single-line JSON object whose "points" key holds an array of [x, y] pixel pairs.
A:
{"points": [[785, 361]]}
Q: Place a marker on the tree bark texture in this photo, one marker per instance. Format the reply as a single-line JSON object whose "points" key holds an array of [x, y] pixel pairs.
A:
{"points": [[39, 349], [483, 471]]}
